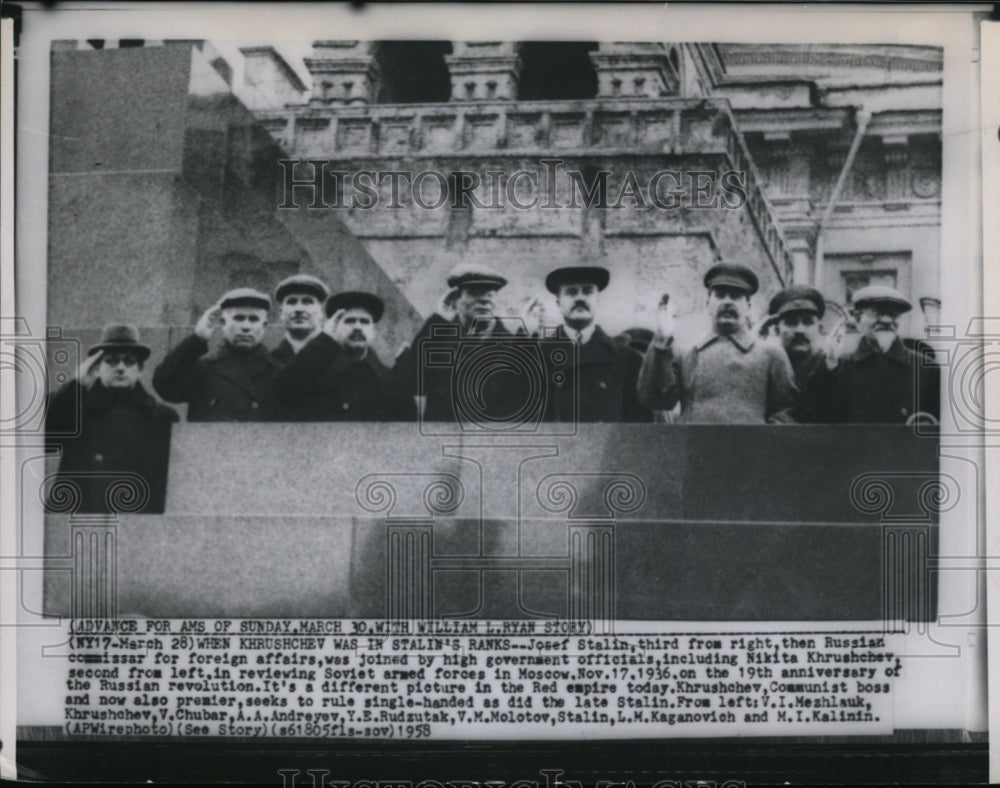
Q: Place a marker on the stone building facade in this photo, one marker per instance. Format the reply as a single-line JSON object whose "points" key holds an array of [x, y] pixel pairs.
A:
{"points": [[530, 155], [794, 120]]}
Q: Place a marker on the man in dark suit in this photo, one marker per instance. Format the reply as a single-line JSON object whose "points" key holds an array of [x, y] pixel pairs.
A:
{"points": [[600, 385], [338, 376], [882, 381], [114, 436], [300, 300], [234, 382], [465, 365]]}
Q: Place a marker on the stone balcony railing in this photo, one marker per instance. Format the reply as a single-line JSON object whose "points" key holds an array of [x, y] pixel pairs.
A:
{"points": [[593, 128]]}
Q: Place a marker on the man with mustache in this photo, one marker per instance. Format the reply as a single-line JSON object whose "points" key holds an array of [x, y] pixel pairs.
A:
{"points": [[464, 335], [115, 432], [300, 301], [882, 381], [338, 376], [600, 383], [798, 311], [730, 376], [234, 382]]}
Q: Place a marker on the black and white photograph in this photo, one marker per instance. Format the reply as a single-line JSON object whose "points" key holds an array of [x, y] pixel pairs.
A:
{"points": [[607, 374]]}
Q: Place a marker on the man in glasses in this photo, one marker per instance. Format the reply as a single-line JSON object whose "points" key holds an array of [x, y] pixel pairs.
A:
{"points": [[882, 381], [730, 376], [114, 436]]}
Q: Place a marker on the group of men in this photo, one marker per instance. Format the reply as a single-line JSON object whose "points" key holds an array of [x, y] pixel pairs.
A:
{"points": [[785, 371], [466, 363]]}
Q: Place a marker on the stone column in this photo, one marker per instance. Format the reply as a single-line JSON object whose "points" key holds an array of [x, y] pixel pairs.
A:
{"points": [[484, 71], [343, 72], [635, 70]]}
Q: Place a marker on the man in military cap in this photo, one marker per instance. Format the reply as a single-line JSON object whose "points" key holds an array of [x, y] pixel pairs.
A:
{"points": [[882, 381], [600, 384], [235, 382], [116, 435], [797, 311], [464, 318], [338, 376], [729, 376], [300, 301]]}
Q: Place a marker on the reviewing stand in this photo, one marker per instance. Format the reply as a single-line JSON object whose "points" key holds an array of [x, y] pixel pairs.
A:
{"points": [[794, 523]]}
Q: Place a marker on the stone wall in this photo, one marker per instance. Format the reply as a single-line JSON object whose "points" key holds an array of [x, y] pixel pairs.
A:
{"points": [[164, 193]]}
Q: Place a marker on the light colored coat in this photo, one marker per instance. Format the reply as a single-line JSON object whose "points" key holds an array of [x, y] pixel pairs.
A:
{"points": [[721, 380]]}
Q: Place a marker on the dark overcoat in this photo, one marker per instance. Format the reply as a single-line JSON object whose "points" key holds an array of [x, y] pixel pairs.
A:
{"points": [[814, 382], [118, 435], [224, 385], [283, 352], [478, 379], [884, 388], [323, 383], [600, 384]]}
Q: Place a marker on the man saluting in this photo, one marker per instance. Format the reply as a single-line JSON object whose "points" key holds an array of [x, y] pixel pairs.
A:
{"points": [[730, 376], [338, 376], [234, 382]]}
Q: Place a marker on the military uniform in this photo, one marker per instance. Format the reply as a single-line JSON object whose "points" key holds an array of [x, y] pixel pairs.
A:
{"points": [[722, 380], [813, 379], [725, 378], [814, 382]]}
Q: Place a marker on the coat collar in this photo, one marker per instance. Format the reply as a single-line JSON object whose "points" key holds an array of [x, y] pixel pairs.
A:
{"points": [[284, 352], [239, 368], [599, 348], [343, 361], [100, 398], [583, 337], [742, 339], [897, 350]]}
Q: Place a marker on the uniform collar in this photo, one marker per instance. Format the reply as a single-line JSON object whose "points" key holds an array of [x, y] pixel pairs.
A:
{"points": [[897, 350], [742, 339]]}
